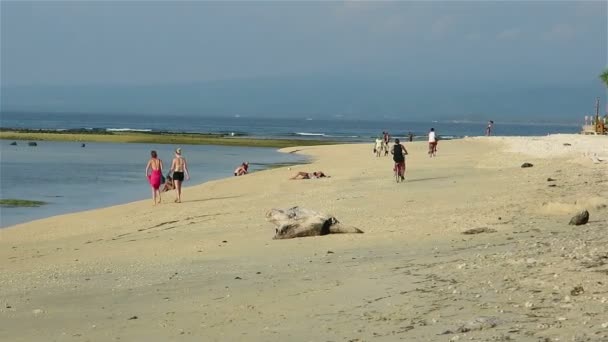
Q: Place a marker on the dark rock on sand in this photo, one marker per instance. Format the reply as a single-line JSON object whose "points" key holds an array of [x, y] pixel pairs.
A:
{"points": [[479, 231], [552, 185], [526, 165], [300, 222], [580, 218], [577, 290], [32, 143], [550, 179], [567, 144]]}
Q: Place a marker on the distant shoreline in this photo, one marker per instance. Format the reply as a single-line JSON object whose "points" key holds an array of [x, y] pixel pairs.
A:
{"points": [[83, 135]]}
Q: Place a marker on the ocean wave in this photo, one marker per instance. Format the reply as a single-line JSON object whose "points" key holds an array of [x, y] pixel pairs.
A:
{"points": [[306, 134], [128, 130]]}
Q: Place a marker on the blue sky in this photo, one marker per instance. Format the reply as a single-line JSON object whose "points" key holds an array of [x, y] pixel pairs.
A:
{"points": [[460, 44]]}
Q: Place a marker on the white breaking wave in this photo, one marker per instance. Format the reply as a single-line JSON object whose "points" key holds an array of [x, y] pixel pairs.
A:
{"points": [[311, 134], [127, 130]]}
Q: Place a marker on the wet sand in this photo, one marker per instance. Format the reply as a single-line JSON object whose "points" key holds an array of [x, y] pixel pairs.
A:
{"points": [[208, 269]]}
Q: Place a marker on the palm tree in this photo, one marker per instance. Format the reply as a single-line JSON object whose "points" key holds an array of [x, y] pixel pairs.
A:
{"points": [[604, 77]]}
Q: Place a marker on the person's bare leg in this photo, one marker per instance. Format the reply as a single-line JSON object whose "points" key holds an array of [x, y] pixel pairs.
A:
{"points": [[153, 196], [178, 190], [159, 198], [300, 174]]}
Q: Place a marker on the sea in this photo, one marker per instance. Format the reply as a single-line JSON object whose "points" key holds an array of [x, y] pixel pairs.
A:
{"points": [[71, 178]]}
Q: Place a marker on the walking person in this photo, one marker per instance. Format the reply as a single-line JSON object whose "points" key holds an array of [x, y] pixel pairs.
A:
{"points": [[154, 173], [432, 143], [179, 167], [410, 136]]}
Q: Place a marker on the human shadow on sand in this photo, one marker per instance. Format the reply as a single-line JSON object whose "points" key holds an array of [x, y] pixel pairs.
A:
{"points": [[424, 179]]}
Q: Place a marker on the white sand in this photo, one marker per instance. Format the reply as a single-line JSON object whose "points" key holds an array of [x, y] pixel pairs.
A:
{"points": [[208, 269]]}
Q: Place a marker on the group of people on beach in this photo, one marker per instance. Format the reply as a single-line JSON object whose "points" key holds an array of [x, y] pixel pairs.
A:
{"points": [[179, 167], [176, 176], [398, 151]]}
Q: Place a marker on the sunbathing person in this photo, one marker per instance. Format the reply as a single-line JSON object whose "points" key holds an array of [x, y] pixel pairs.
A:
{"points": [[307, 175], [242, 170], [168, 184]]}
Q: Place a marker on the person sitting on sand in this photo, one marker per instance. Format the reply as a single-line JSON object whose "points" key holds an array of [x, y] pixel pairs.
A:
{"points": [[242, 170], [307, 175], [168, 184]]}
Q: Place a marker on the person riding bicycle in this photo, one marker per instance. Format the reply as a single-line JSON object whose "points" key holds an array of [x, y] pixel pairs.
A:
{"points": [[399, 152]]}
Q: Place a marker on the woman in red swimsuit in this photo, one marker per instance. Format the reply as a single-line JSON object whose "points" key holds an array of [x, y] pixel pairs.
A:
{"points": [[154, 177]]}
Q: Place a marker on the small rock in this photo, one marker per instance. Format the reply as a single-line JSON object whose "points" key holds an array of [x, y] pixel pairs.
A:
{"points": [[552, 185], [330, 252], [580, 218], [550, 179], [524, 165], [567, 144], [14, 143], [133, 317], [479, 230], [224, 241], [238, 278], [577, 290], [32, 143]]}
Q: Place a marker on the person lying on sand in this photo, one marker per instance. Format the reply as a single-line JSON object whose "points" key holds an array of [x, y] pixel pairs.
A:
{"points": [[242, 170], [307, 175]]}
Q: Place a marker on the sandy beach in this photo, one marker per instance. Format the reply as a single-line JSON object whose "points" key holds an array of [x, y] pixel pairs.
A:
{"points": [[208, 269]]}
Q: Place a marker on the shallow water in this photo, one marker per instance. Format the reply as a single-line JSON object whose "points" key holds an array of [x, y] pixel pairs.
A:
{"points": [[342, 129], [71, 178]]}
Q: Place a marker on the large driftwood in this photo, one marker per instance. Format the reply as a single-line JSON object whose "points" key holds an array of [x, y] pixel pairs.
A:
{"points": [[299, 222]]}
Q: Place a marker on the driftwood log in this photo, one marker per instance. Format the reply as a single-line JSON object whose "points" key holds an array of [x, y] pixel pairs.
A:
{"points": [[300, 222]]}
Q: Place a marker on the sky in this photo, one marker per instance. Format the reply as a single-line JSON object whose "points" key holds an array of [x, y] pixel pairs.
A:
{"points": [[448, 45]]}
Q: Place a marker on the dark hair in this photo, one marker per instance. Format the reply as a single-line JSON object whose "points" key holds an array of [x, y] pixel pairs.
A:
{"points": [[153, 154], [432, 130], [396, 141]]}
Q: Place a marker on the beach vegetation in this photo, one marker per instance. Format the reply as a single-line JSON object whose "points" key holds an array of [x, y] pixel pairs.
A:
{"points": [[604, 77], [156, 138], [19, 203]]}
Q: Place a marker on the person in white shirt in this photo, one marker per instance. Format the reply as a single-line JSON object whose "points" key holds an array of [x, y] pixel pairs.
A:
{"points": [[432, 143]]}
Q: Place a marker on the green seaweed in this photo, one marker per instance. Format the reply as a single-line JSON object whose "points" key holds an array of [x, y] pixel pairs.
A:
{"points": [[20, 203]]}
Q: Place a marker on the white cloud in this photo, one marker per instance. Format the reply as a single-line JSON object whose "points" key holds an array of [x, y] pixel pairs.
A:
{"points": [[509, 34], [473, 36], [560, 32], [441, 26]]}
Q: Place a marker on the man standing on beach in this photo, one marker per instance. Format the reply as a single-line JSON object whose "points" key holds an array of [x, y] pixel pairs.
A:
{"points": [[432, 143], [489, 128]]}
